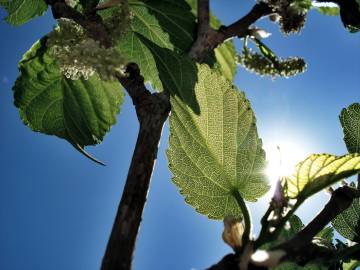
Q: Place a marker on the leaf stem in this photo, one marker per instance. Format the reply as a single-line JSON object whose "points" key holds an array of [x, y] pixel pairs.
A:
{"points": [[247, 218]]}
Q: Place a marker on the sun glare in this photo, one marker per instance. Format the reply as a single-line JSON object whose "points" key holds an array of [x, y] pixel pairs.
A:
{"points": [[282, 158]]}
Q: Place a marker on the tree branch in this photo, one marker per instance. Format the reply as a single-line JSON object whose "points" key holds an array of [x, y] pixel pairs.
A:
{"points": [[203, 14], [231, 262], [91, 22], [209, 40], [298, 248], [152, 111]]}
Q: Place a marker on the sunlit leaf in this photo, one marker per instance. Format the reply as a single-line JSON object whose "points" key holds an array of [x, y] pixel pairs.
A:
{"points": [[350, 121], [169, 24], [21, 11], [214, 151], [318, 172], [351, 265], [329, 11], [348, 222], [80, 111], [266, 51]]}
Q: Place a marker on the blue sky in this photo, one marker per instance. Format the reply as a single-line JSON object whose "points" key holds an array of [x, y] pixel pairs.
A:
{"points": [[57, 208]]}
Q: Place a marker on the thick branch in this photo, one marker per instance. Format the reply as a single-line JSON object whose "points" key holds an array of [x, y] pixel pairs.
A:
{"points": [[300, 248], [212, 38], [231, 262], [152, 111], [203, 14], [92, 22]]}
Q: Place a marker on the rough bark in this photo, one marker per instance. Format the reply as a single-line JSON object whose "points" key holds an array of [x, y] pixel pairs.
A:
{"points": [[209, 38], [298, 246], [152, 111]]}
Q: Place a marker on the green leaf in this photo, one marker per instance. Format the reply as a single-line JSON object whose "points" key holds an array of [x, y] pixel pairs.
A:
{"points": [[266, 51], [80, 111], [318, 172], [287, 233], [215, 150], [296, 226], [22, 11], [225, 53], [302, 5], [352, 265], [169, 24], [348, 222], [350, 122], [329, 11], [325, 238], [327, 234]]}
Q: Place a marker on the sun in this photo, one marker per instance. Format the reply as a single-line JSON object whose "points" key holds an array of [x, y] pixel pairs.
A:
{"points": [[282, 157]]}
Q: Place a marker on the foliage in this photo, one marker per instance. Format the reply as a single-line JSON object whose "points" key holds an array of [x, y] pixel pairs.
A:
{"points": [[348, 222], [69, 87], [21, 11], [80, 111], [318, 172], [350, 121], [216, 152]]}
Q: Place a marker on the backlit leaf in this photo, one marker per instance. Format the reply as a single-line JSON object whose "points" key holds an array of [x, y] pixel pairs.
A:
{"points": [[318, 172], [351, 265], [80, 111], [348, 222], [214, 150], [330, 11], [295, 226], [169, 24], [350, 121], [21, 11]]}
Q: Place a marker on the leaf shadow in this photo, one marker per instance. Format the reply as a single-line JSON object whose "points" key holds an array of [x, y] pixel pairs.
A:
{"points": [[181, 27], [178, 73]]}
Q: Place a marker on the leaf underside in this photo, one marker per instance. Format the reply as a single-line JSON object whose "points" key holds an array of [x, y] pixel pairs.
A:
{"points": [[171, 25], [80, 111], [351, 265], [348, 222], [319, 171], [215, 151], [329, 11], [296, 226], [350, 121], [21, 11]]}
